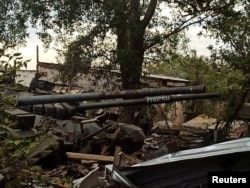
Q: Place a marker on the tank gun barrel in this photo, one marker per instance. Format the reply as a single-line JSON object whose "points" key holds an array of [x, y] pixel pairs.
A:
{"points": [[147, 100], [128, 94]]}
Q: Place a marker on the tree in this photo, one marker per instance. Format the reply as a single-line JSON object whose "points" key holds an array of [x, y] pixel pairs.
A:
{"points": [[232, 31], [13, 25], [217, 76], [138, 25], [9, 64]]}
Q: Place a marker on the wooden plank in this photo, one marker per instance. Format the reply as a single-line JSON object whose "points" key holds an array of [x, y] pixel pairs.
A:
{"points": [[117, 156], [83, 156]]}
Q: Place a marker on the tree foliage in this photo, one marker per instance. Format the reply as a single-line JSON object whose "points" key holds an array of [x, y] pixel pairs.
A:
{"points": [[217, 77], [9, 64], [141, 28], [232, 31], [138, 25], [13, 24]]}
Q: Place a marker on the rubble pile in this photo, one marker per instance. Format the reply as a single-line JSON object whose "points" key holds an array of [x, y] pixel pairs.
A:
{"points": [[62, 147], [69, 150]]}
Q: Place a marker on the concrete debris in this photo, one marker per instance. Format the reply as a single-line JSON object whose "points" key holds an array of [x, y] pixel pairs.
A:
{"points": [[164, 125], [93, 143], [47, 151], [70, 143], [201, 122]]}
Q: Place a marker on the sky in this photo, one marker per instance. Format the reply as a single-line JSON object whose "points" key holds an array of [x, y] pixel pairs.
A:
{"points": [[30, 52], [199, 44]]}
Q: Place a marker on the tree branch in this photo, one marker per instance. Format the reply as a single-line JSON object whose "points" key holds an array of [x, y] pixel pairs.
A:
{"points": [[181, 27], [149, 14]]}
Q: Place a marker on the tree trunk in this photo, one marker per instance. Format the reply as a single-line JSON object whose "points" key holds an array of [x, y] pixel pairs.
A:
{"points": [[131, 74], [130, 47], [131, 53]]}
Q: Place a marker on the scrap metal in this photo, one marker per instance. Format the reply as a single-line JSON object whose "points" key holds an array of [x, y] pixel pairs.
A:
{"points": [[187, 168]]}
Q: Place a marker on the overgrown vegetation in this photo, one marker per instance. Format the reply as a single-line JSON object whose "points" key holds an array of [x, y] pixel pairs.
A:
{"points": [[120, 34], [9, 64], [126, 35], [217, 77], [14, 163]]}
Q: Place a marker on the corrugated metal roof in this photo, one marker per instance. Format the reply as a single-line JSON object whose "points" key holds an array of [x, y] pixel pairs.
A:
{"points": [[187, 168], [239, 145]]}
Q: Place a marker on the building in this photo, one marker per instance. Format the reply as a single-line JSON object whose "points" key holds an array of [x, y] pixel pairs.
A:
{"points": [[99, 80]]}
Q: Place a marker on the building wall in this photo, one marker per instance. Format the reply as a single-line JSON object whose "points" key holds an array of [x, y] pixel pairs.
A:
{"points": [[49, 72], [99, 80], [25, 76]]}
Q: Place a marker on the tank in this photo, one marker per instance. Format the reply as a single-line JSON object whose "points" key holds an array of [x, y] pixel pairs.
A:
{"points": [[91, 135]]}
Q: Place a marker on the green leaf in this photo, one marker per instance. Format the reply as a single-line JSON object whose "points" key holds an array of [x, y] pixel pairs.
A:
{"points": [[10, 58], [26, 61], [17, 54]]}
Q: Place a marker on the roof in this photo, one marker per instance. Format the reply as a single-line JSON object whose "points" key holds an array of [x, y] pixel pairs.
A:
{"points": [[187, 168], [49, 65], [163, 77]]}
